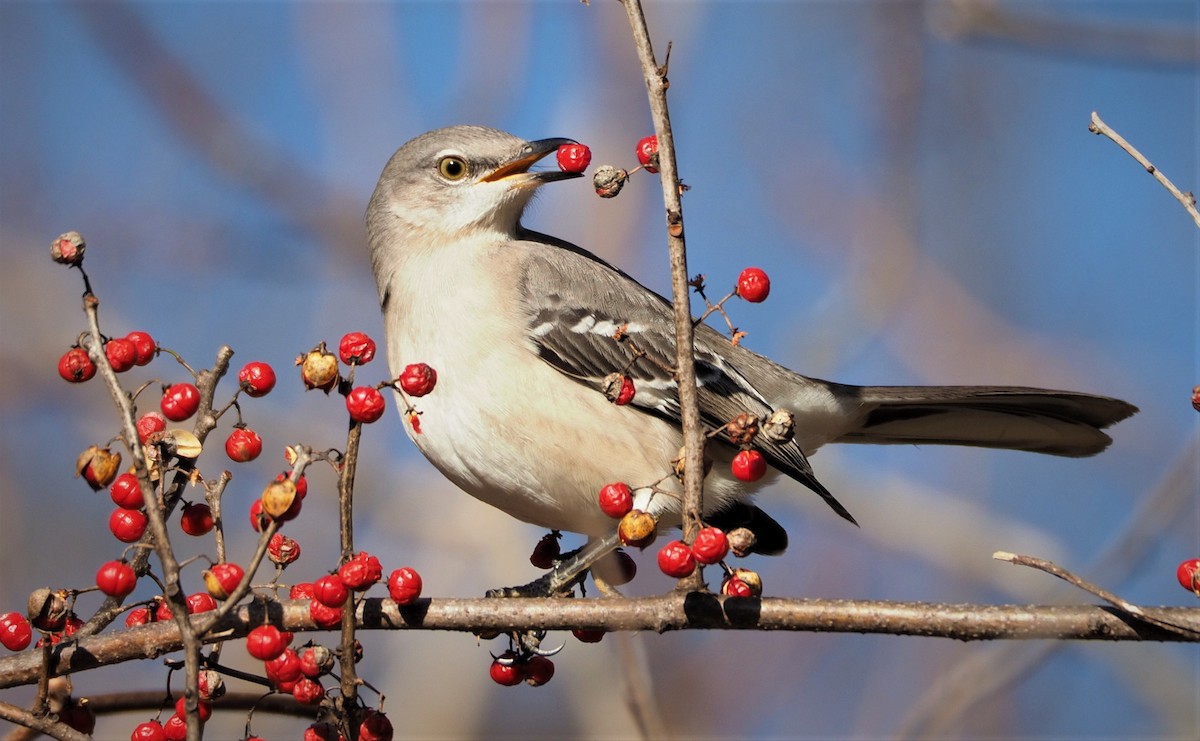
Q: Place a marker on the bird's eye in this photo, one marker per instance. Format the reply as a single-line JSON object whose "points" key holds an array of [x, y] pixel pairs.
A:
{"points": [[452, 168]]}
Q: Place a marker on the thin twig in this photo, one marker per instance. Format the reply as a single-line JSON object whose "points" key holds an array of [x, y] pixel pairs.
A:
{"points": [[1188, 200]]}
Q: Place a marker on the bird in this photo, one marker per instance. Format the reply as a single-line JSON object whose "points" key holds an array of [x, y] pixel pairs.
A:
{"points": [[523, 329]]}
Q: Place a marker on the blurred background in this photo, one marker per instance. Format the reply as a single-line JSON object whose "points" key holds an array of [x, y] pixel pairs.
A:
{"points": [[917, 178]]}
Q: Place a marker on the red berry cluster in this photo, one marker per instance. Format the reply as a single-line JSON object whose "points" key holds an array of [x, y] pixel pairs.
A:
{"points": [[511, 668]]}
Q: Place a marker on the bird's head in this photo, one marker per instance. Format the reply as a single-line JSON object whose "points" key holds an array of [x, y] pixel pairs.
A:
{"points": [[453, 181]]}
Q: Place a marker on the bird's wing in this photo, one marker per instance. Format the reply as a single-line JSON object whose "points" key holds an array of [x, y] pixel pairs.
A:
{"points": [[578, 305]]}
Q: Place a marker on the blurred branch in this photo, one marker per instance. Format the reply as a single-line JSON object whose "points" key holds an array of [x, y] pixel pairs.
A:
{"points": [[1188, 199], [673, 611]]}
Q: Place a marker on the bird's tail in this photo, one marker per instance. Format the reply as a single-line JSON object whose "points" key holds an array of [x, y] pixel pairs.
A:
{"points": [[1012, 417]]}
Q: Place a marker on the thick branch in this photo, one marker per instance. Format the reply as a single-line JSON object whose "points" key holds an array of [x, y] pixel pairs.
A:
{"points": [[673, 611]]}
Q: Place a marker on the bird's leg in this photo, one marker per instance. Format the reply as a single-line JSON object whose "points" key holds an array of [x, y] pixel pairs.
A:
{"points": [[566, 574]]}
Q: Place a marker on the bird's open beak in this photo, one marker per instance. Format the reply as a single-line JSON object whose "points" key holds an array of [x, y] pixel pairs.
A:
{"points": [[518, 168]]}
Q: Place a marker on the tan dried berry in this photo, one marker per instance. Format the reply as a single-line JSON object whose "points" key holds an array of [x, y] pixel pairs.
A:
{"points": [[677, 463], [750, 579], [608, 180], [780, 427], [67, 249], [741, 541], [98, 466], [742, 429], [278, 497], [47, 609], [637, 529], [318, 368]]}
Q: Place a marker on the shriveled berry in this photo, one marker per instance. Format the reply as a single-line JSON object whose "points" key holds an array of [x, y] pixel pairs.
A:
{"points": [[588, 636], [710, 545], [317, 661], [547, 550], [243, 444], [308, 692], [637, 528], [330, 591], [742, 541], [616, 499], [278, 497], [676, 559], [375, 727], [647, 153], [507, 669], [323, 615], [418, 379], [180, 401], [150, 423], [361, 572], [222, 579], [318, 368], [127, 524], [200, 602], [574, 157], [749, 465], [356, 348], [753, 285], [98, 466], [619, 388], [126, 492], [116, 578], [404, 586], [1188, 575], [68, 248], [265, 642], [144, 346], [256, 378], [608, 180], [538, 670], [365, 404], [150, 730], [210, 684], [747, 581], [15, 631], [197, 519], [75, 365], [282, 550], [121, 354], [301, 590], [137, 616], [47, 609], [780, 427]]}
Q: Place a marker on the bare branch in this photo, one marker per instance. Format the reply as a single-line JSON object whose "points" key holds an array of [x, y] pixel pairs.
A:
{"points": [[1188, 200]]}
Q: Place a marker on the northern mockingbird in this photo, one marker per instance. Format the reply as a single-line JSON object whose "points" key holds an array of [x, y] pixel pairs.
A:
{"points": [[520, 327]]}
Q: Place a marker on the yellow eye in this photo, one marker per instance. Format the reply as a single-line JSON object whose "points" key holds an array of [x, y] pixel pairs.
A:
{"points": [[452, 168]]}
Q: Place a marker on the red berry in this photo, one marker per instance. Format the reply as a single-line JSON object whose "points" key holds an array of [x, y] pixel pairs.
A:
{"points": [[323, 615], [265, 643], [375, 727], [316, 661], [356, 348], [1196, 398], [547, 550], [360, 572], [203, 709], [753, 285], [647, 153], [507, 669], [404, 586], [210, 684], [79, 716], [308, 692], [365, 404], [126, 492], [588, 636], [330, 591], [163, 611], [625, 394], [418, 379], [243, 445], [15, 631], [574, 157], [175, 729], [735, 587], [200, 602], [538, 670], [282, 550], [127, 524], [301, 484], [256, 378], [137, 616], [710, 545], [180, 402], [616, 499], [75, 365], [323, 731], [121, 354], [144, 346], [116, 579], [749, 465], [150, 423], [1188, 575], [196, 519], [151, 730], [303, 590], [676, 559], [284, 668], [223, 578]]}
